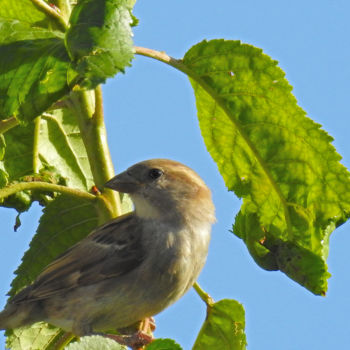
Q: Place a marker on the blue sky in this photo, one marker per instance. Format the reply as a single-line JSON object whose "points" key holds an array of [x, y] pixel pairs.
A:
{"points": [[150, 112]]}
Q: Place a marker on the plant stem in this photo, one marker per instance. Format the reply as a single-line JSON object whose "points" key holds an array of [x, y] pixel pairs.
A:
{"points": [[8, 124], [46, 187], [65, 340], [65, 8], [36, 162], [88, 107], [203, 295], [163, 57], [48, 10]]}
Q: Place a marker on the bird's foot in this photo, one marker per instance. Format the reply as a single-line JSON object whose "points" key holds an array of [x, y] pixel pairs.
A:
{"points": [[148, 325], [135, 337], [135, 341]]}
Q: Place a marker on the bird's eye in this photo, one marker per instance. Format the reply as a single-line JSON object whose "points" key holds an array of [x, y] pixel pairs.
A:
{"points": [[155, 173]]}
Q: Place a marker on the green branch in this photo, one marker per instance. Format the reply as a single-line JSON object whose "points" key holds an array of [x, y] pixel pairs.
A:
{"points": [[178, 64], [163, 57], [45, 187], [51, 12], [65, 7], [65, 340], [88, 108], [36, 161], [8, 124]]}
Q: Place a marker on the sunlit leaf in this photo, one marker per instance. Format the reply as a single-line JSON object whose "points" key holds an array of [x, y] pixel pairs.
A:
{"points": [[163, 344], [223, 328], [25, 11], [99, 40], [33, 69], [295, 191], [40, 336], [61, 155], [64, 222], [95, 343]]}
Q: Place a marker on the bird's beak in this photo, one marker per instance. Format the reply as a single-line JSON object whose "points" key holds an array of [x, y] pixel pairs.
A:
{"points": [[123, 183]]}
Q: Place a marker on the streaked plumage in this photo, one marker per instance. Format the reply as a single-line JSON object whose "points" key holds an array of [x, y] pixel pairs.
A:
{"points": [[133, 266]]}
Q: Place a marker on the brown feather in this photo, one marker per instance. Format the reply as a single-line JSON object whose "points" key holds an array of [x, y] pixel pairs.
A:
{"points": [[83, 264]]}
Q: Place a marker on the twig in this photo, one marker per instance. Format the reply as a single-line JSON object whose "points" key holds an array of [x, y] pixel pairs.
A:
{"points": [[8, 124], [36, 163], [65, 340], [47, 9], [46, 187], [203, 295], [87, 107]]}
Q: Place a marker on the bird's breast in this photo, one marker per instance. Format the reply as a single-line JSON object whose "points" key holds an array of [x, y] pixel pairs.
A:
{"points": [[177, 257]]}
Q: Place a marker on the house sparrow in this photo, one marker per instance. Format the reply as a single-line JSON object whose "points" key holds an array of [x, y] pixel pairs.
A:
{"points": [[132, 267]]}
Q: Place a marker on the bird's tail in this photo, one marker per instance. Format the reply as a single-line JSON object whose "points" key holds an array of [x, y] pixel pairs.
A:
{"points": [[13, 316]]}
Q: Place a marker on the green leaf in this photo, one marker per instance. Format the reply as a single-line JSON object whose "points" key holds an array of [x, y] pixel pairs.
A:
{"points": [[33, 69], [39, 336], [13, 31], [59, 147], [163, 344], [99, 40], [294, 189], [95, 343], [59, 152], [223, 328], [25, 11], [64, 222], [18, 158]]}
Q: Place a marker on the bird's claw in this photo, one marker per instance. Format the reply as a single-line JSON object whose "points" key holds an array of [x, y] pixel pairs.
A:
{"points": [[135, 341]]}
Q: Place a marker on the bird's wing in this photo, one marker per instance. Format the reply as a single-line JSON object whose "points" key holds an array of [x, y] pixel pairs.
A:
{"points": [[111, 250]]}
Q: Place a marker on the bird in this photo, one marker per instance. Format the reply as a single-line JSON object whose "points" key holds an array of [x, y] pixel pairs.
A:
{"points": [[132, 267]]}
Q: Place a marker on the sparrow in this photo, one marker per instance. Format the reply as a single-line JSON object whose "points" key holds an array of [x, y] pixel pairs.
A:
{"points": [[132, 267]]}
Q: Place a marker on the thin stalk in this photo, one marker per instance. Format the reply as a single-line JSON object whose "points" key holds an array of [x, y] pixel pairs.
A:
{"points": [[98, 118], [203, 295], [65, 8], [88, 107], [8, 124], [163, 57], [48, 10], [65, 340], [45, 187], [36, 161]]}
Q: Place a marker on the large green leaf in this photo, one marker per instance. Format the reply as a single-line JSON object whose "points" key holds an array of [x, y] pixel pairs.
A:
{"points": [[295, 191], [163, 344], [41, 336], [95, 343], [18, 159], [99, 40], [223, 328], [33, 69], [64, 222], [25, 11], [55, 144], [61, 146]]}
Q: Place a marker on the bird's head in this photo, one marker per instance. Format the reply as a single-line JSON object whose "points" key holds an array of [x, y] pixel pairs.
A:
{"points": [[162, 187]]}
